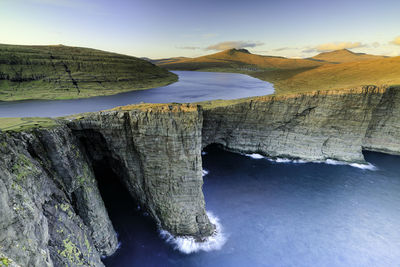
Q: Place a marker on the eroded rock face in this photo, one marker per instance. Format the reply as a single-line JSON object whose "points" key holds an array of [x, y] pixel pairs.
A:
{"points": [[383, 134], [51, 211], [156, 151], [315, 126]]}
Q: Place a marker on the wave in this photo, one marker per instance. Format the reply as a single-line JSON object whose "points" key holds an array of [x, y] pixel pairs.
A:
{"points": [[285, 160], [255, 156], [278, 160], [367, 166], [116, 249], [189, 245], [204, 172]]}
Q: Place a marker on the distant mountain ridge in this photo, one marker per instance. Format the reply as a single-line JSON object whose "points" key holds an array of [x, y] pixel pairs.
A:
{"points": [[238, 58], [344, 55], [328, 70]]}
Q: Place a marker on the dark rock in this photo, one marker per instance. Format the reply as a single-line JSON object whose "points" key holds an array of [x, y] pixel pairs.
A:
{"points": [[51, 211]]}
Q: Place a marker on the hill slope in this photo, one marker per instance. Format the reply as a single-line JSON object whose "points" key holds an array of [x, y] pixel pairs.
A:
{"points": [[165, 60], [344, 55], [377, 72], [59, 72], [321, 72], [239, 59]]}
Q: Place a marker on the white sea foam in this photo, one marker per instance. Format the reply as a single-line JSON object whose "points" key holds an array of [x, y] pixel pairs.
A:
{"points": [[203, 153], [255, 156], [367, 166], [278, 160], [285, 160], [118, 247], [189, 245], [204, 172]]}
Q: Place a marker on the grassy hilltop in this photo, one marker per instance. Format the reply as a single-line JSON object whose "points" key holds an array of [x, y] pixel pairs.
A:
{"points": [[344, 55], [62, 72], [332, 70]]}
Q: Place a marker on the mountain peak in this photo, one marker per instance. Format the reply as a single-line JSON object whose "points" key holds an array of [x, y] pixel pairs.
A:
{"points": [[344, 55], [337, 52]]}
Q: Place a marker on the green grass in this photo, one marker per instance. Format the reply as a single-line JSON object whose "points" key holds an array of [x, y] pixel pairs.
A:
{"points": [[23, 124], [62, 72]]}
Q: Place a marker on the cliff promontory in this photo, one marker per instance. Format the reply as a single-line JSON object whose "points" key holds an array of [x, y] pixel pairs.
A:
{"points": [[51, 211]]}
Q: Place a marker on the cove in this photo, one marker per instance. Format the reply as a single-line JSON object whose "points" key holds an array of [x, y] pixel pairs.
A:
{"points": [[191, 87], [278, 214]]}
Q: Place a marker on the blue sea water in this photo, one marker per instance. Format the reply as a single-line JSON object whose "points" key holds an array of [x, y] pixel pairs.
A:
{"points": [[277, 214]]}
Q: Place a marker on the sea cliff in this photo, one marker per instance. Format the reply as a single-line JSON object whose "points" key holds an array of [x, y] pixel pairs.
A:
{"points": [[319, 125], [51, 211]]}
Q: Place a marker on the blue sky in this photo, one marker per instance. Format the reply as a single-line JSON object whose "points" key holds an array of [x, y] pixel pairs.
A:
{"points": [[165, 28]]}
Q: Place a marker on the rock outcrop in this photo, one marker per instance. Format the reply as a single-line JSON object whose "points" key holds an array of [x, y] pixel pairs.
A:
{"points": [[156, 151], [51, 211], [315, 126]]}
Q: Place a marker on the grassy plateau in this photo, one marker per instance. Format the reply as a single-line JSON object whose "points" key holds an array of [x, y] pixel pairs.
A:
{"points": [[63, 72], [21, 124]]}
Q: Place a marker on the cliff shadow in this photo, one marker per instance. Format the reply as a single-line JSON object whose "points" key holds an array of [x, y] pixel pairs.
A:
{"points": [[130, 220]]}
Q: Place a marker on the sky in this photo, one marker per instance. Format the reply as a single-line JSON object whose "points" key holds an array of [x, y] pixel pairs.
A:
{"points": [[169, 28]]}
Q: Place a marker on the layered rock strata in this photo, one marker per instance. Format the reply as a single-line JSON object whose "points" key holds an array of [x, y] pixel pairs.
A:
{"points": [[51, 211], [315, 126], [155, 151]]}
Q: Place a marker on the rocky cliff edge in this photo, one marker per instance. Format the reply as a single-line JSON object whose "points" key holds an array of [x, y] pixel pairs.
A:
{"points": [[51, 211]]}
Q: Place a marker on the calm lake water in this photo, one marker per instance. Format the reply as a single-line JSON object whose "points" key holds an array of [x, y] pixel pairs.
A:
{"points": [[191, 87], [277, 214]]}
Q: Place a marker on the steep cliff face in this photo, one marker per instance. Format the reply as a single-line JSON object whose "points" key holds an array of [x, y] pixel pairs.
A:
{"points": [[51, 211], [383, 134], [155, 151], [315, 126]]}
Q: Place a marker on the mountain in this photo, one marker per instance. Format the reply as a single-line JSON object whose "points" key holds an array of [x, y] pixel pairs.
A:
{"points": [[343, 56], [238, 59], [331, 70], [57, 72]]}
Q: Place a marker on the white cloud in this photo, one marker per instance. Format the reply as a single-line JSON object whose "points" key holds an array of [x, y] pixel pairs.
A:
{"points": [[396, 40], [233, 44], [337, 46]]}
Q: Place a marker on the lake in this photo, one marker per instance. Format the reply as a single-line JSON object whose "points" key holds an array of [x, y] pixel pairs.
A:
{"points": [[277, 214], [191, 87]]}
